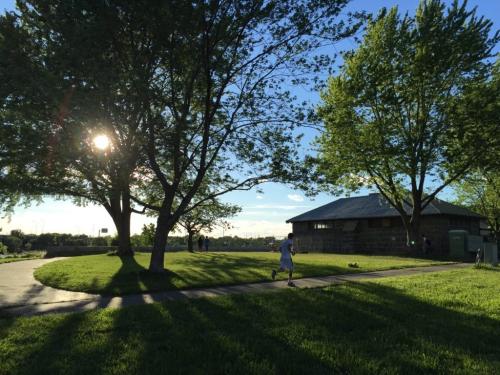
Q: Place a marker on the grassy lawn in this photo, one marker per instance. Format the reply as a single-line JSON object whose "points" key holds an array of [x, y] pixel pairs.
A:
{"points": [[22, 256], [106, 274], [447, 322]]}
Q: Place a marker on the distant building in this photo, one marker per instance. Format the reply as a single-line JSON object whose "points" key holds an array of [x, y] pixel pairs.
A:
{"points": [[369, 224]]}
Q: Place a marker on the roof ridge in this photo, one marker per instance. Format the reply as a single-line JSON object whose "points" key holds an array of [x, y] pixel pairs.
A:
{"points": [[369, 206]]}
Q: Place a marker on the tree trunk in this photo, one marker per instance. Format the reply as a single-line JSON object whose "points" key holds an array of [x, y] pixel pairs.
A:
{"points": [[160, 242], [190, 241], [413, 237], [416, 239], [123, 228], [120, 212]]}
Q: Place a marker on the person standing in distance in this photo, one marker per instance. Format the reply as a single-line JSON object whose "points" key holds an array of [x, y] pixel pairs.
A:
{"points": [[286, 263]]}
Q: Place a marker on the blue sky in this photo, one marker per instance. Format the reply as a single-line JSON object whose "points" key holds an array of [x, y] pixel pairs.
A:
{"points": [[263, 214]]}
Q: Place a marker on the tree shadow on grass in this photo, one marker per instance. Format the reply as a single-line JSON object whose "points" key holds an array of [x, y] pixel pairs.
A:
{"points": [[222, 269], [361, 328], [376, 329], [132, 277], [191, 271], [209, 269], [490, 268], [198, 271]]}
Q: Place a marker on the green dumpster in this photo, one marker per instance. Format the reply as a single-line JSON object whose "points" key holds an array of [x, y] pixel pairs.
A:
{"points": [[491, 253], [458, 243]]}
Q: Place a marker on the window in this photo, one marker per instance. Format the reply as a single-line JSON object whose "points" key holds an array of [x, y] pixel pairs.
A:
{"points": [[380, 223], [350, 226], [324, 225], [374, 223], [459, 222], [396, 222]]}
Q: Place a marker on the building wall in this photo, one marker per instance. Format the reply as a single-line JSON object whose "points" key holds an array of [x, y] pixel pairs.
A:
{"points": [[379, 235]]}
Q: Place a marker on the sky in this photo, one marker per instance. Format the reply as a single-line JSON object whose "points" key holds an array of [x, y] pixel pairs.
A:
{"points": [[264, 213]]}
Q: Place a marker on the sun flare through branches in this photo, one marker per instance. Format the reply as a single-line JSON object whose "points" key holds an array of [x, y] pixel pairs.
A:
{"points": [[102, 142]]}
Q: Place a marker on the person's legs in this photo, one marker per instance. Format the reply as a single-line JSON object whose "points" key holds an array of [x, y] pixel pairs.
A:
{"points": [[274, 272], [290, 273]]}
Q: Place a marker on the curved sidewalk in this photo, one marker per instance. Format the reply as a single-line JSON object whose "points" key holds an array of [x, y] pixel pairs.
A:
{"points": [[21, 294]]}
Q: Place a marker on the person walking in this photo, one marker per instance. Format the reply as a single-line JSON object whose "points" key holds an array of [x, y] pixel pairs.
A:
{"points": [[286, 263], [200, 243], [426, 244]]}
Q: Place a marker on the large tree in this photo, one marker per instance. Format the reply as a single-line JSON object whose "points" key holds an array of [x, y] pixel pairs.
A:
{"points": [[71, 72], [184, 90], [398, 116], [223, 111], [205, 218], [480, 191]]}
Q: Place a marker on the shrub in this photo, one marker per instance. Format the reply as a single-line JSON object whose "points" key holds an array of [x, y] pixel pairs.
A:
{"points": [[12, 243], [137, 240], [78, 240], [3, 248], [46, 239], [99, 241], [114, 241]]}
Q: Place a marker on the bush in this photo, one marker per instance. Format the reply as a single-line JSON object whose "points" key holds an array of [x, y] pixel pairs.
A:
{"points": [[137, 240], [99, 241], [114, 241], [78, 240], [3, 249], [46, 239], [17, 233], [12, 243], [29, 241]]}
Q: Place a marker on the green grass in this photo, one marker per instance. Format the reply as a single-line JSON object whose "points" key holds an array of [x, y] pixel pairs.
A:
{"points": [[440, 323], [23, 256], [106, 274]]}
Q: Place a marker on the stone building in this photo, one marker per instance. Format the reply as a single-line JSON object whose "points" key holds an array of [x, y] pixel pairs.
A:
{"points": [[369, 224]]}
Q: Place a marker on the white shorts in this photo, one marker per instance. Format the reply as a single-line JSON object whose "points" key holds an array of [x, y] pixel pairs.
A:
{"points": [[286, 264]]}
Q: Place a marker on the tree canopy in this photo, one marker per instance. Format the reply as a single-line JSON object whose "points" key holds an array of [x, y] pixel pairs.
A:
{"points": [[206, 217], [70, 73], [480, 192], [413, 108], [184, 90], [226, 112]]}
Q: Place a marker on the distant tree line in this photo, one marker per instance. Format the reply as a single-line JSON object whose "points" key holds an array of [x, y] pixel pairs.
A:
{"points": [[18, 241], [146, 239]]}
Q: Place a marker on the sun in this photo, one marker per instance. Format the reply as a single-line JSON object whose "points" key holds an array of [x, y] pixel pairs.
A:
{"points": [[101, 142]]}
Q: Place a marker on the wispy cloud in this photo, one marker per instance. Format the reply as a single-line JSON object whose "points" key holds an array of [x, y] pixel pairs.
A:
{"points": [[266, 213], [258, 228], [296, 197], [275, 207], [259, 197]]}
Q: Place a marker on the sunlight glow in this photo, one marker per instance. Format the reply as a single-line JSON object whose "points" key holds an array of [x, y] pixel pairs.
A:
{"points": [[101, 142]]}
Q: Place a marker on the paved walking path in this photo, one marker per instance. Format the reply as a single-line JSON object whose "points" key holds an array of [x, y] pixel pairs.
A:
{"points": [[21, 294]]}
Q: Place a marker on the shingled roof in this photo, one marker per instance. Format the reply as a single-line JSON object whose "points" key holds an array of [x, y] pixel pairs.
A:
{"points": [[375, 206]]}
